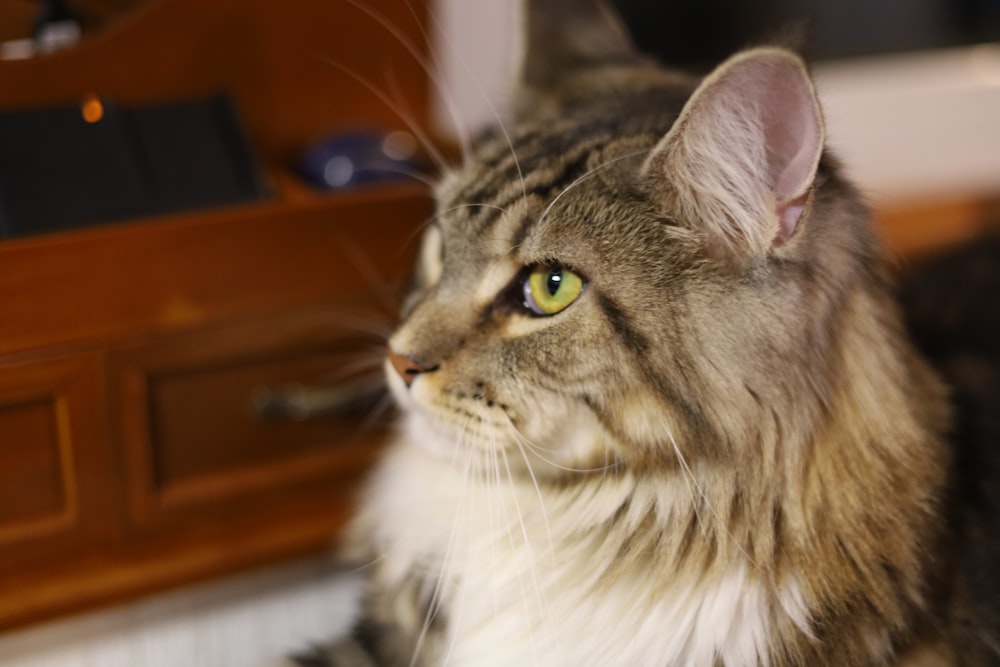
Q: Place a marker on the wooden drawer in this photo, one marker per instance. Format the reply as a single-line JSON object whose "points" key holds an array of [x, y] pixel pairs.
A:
{"points": [[205, 433], [53, 458]]}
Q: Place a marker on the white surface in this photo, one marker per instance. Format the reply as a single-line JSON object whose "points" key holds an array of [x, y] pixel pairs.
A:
{"points": [[922, 125], [917, 126], [476, 50], [251, 621]]}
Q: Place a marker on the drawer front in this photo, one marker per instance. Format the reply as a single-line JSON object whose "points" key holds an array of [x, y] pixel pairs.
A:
{"points": [[259, 418], [54, 455]]}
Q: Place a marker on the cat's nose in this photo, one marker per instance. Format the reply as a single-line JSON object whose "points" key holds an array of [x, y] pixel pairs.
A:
{"points": [[407, 368]]}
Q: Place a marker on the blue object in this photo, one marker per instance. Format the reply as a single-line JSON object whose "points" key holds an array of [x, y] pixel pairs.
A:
{"points": [[360, 158]]}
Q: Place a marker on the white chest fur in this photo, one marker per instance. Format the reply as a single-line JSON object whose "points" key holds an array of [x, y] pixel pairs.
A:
{"points": [[523, 580]]}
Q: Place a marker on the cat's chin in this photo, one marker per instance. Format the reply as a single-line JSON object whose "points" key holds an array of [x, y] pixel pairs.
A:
{"points": [[443, 435]]}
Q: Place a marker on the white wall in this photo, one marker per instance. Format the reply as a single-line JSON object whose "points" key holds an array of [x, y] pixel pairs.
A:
{"points": [[477, 50], [917, 126]]}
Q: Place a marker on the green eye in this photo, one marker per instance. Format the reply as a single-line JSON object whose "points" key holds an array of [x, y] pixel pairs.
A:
{"points": [[551, 289]]}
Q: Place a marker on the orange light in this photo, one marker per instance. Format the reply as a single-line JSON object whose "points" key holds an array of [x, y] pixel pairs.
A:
{"points": [[91, 109]]}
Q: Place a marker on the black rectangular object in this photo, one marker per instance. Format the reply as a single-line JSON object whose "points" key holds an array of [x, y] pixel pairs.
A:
{"points": [[58, 171]]}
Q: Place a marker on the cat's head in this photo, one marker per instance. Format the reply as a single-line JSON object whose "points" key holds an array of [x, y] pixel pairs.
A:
{"points": [[638, 261]]}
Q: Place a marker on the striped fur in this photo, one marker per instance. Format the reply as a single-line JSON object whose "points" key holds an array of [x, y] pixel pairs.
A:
{"points": [[723, 453]]}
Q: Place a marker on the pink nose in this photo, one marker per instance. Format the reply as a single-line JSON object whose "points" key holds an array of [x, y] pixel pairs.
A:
{"points": [[407, 368]]}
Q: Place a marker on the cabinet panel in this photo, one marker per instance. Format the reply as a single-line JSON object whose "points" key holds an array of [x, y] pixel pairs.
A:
{"points": [[54, 489], [239, 436], [33, 462], [206, 437]]}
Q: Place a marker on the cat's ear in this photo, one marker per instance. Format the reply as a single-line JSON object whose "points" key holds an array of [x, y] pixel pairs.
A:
{"points": [[741, 159], [565, 35]]}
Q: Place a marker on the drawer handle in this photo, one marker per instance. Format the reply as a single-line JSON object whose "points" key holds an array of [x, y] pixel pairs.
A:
{"points": [[299, 402]]}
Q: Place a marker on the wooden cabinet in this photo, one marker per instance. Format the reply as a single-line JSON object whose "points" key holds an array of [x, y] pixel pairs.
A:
{"points": [[149, 434], [204, 439], [55, 458], [155, 374]]}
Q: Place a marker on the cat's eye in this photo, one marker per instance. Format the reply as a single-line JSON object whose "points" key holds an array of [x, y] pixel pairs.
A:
{"points": [[551, 289]]}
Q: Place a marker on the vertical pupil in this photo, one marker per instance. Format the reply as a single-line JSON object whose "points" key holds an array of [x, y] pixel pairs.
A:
{"points": [[554, 282]]}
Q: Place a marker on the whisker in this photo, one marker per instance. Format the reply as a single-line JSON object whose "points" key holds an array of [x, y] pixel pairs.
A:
{"points": [[361, 567], [437, 216], [475, 464], [377, 412], [491, 496], [414, 174], [435, 603], [537, 452], [588, 175], [361, 261], [689, 479], [540, 597], [541, 499], [441, 163], [704, 497], [430, 68], [368, 363], [411, 123], [374, 323], [416, 233], [463, 61]]}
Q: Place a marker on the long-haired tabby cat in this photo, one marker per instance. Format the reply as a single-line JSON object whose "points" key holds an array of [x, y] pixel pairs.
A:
{"points": [[658, 406]]}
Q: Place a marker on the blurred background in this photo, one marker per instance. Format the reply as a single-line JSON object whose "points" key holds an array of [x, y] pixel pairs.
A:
{"points": [[207, 214]]}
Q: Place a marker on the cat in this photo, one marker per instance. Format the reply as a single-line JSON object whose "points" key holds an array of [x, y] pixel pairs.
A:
{"points": [[658, 406]]}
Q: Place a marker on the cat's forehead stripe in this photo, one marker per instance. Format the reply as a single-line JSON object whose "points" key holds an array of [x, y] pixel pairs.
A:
{"points": [[528, 155], [506, 188], [550, 186]]}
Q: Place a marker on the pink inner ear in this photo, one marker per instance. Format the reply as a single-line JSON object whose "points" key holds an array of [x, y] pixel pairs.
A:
{"points": [[793, 132], [742, 157], [789, 214]]}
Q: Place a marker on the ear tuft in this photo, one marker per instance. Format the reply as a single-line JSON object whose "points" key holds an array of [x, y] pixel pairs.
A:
{"points": [[740, 161]]}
